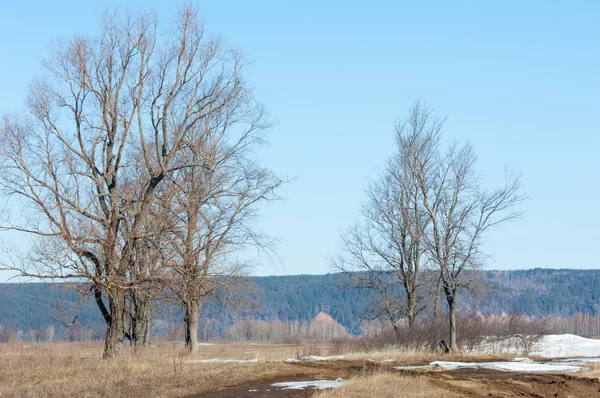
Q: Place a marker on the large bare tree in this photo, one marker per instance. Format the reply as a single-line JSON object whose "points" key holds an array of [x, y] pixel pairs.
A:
{"points": [[111, 109]]}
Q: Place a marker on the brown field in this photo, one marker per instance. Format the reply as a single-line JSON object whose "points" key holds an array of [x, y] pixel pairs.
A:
{"points": [[163, 370]]}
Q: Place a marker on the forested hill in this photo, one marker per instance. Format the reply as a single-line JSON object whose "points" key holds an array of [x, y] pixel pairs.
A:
{"points": [[537, 292]]}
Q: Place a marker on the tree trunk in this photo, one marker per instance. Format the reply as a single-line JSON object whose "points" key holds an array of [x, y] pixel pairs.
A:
{"points": [[140, 313], [412, 304], [190, 320], [115, 329], [452, 314], [436, 302], [395, 327]]}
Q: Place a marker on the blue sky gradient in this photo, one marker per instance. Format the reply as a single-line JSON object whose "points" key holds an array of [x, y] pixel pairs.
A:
{"points": [[519, 80]]}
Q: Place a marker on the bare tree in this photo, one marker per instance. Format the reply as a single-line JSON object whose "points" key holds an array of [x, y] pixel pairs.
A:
{"points": [[389, 243], [213, 208], [459, 211], [104, 102], [426, 208]]}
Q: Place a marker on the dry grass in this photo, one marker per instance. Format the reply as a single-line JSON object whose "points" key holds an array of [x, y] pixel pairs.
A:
{"points": [[592, 372], [164, 369], [384, 385], [76, 370]]}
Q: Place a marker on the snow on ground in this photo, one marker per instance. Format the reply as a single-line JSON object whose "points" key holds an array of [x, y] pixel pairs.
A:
{"points": [[509, 345], [577, 361], [314, 358], [301, 385], [518, 366], [549, 346], [565, 346], [218, 360], [576, 353]]}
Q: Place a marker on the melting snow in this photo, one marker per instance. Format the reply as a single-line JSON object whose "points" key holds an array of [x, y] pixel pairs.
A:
{"points": [[521, 365], [301, 385], [216, 360], [314, 358], [518, 366]]}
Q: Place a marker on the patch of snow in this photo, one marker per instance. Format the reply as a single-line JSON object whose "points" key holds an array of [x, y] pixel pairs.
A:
{"points": [[495, 345], [411, 367], [548, 346], [566, 346], [523, 360], [518, 366], [317, 384], [217, 360], [576, 361], [205, 344], [253, 390], [314, 358]]}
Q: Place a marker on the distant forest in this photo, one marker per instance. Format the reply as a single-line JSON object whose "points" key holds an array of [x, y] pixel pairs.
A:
{"points": [[535, 292]]}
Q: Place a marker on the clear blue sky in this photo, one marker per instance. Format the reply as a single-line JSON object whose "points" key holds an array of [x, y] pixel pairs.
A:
{"points": [[519, 80]]}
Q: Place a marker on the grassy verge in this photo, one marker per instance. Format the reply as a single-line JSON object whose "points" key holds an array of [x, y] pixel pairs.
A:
{"points": [[386, 385]]}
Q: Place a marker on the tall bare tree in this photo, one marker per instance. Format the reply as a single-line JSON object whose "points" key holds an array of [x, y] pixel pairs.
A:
{"points": [[103, 102], [459, 211], [389, 242], [427, 208], [213, 208]]}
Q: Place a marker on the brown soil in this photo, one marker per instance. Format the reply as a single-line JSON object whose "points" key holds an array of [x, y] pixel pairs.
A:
{"points": [[458, 383]]}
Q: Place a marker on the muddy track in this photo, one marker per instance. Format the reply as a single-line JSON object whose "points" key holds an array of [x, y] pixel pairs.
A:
{"points": [[458, 383], [492, 383]]}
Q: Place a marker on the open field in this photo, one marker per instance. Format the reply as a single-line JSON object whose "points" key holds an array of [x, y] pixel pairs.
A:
{"points": [[76, 370]]}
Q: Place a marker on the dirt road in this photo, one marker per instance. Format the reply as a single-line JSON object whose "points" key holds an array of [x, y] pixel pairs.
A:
{"points": [[458, 383]]}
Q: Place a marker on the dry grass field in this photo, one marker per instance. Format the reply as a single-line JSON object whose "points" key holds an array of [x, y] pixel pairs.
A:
{"points": [[164, 370]]}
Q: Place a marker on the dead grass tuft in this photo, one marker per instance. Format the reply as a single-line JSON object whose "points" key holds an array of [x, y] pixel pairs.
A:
{"points": [[593, 371]]}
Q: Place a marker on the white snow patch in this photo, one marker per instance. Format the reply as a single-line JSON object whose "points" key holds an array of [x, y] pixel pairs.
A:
{"points": [[566, 345], [576, 361], [314, 358], [523, 360], [218, 360], [317, 384], [549, 346], [411, 367], [518, 366], [205, 344]]}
